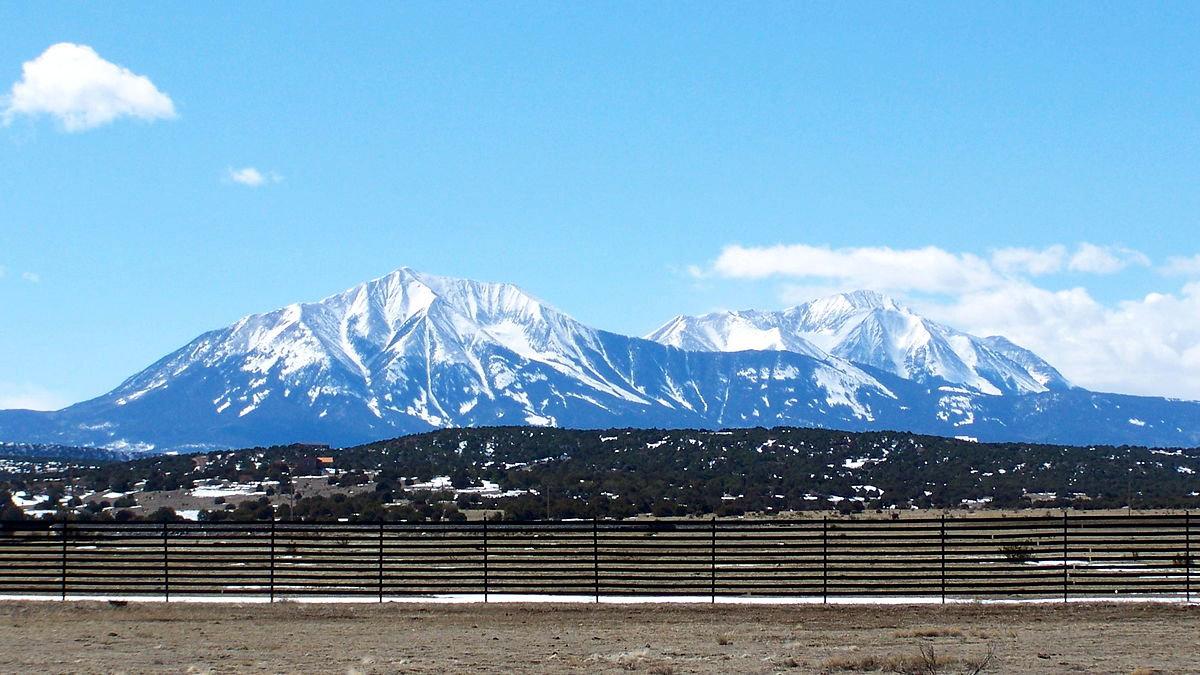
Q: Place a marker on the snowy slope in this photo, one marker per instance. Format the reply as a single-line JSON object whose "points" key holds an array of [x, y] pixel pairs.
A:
{"points": [[870, 329], [734, 332]]}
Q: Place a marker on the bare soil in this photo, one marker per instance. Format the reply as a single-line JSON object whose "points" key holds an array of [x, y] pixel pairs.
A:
{"points": [[500, 638]]}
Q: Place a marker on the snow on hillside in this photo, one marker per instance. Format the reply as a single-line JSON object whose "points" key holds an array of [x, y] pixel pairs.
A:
{"points": [[870, 329]]}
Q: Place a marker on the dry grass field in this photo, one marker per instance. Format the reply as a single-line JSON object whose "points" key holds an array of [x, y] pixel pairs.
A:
{"points": [[496, 638]]}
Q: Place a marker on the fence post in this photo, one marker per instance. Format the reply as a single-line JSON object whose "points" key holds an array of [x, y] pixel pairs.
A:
{"points": [[1187, 555], [596, 558], [712, 561], [943, 558], [824, 560], [63, 568], [380, 582], [166, 566], [271, 561], [485, 558], [1064, 556]]}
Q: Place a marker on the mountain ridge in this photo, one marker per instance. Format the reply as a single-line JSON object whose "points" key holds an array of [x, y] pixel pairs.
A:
{"points": [[867, 327], [411, 352]]}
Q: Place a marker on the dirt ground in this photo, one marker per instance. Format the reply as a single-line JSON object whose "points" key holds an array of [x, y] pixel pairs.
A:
{"points": [[662, 639]]}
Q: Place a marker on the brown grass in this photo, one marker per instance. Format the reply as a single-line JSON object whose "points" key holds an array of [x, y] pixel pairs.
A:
{"points": [[917, 663], [926, 661], [930, 633]]}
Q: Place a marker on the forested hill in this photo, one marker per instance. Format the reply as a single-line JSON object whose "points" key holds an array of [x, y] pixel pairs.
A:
{"points": [[527, 472], [61, 452], [677, 472]]}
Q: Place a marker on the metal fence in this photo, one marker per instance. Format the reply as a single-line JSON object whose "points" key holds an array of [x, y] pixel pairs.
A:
{"points": [[946, 558]]}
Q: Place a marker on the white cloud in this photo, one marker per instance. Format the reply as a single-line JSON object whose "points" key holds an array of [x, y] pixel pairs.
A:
{"points": [[1030, 261], [75, 85], [29, 397], [929, 269], [1105, 259], [1181, 266], [251, 177], [1087, 259], [1149, 345]]}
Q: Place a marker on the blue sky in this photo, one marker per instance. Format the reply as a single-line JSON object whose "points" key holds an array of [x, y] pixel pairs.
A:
{"points": [[625, 162]]}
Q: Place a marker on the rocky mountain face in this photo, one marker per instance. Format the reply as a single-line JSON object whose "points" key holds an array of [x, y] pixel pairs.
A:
{"points": [[411, 352], [868, 328]]}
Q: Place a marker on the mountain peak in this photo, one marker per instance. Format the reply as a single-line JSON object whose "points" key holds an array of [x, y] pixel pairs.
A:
{"points": [[866, 327], [732, 331], [856, 301], [406, 291]]}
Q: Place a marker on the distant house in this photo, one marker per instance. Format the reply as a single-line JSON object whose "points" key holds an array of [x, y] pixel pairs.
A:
{"points": [[326, 461], [1041, 496]]}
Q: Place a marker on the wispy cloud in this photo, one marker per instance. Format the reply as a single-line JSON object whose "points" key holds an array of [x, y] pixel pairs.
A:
{"points": [[1182, 266], [928, 269], [73, 84], [1035, 262], [32, 277], [251, 177], [1093, 259], [1087, 258]]}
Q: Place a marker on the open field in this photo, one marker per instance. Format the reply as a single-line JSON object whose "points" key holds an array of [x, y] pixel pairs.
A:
{"points": [[291, 637]]}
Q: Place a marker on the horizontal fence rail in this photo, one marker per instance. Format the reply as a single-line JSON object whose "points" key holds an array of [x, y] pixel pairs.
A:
{"points": [[946, 558]]}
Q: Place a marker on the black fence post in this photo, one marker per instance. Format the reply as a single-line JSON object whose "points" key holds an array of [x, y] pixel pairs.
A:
{"points": [[63, 567], [596, 558], [1064, 556], [943, 558], [1187, 554], [824, 560], [380, 581], [712, 562], [166, 566], [485, 558], [271, 562]]}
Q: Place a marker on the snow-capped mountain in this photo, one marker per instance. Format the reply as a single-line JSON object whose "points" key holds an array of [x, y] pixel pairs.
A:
{"points": [[868, 328], [410, 352]]}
